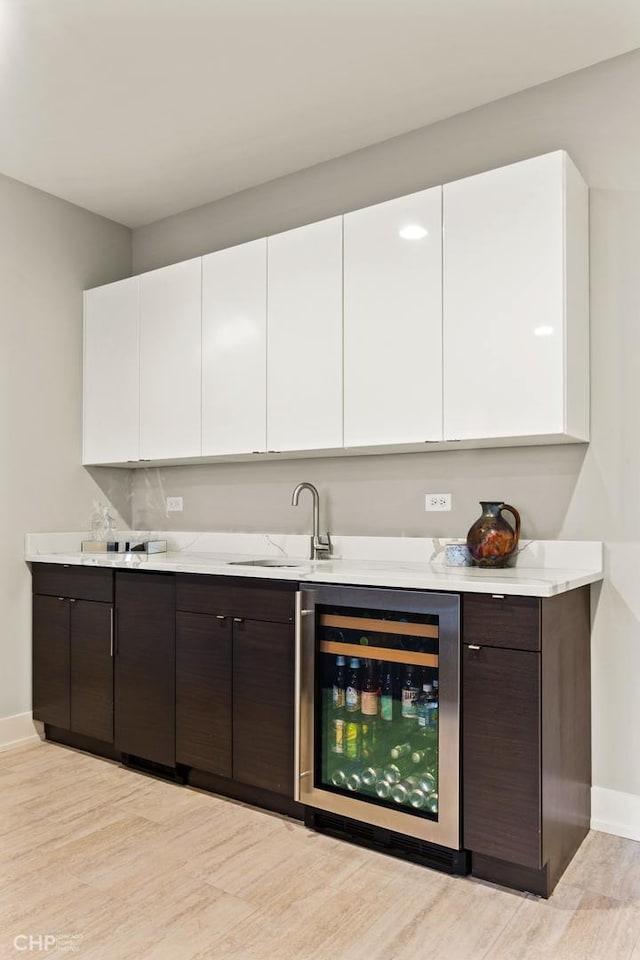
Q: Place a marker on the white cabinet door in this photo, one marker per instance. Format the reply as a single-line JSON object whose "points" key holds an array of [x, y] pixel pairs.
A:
{"points": [[234, 349], [110, 421], [393, 321], [515, 302], [170, 361], [304, 338]]}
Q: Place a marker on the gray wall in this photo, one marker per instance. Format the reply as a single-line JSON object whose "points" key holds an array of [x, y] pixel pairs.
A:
{"points": [[571, 492], [592, 113], [49, 252]]}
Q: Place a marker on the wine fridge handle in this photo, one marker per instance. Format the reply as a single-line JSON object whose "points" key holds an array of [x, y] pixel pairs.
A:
{"points": [[296, 706], [302, 708]]}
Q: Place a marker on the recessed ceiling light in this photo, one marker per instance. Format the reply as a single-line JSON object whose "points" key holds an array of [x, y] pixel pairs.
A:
{"points": [[412, 232], [543, 331]]}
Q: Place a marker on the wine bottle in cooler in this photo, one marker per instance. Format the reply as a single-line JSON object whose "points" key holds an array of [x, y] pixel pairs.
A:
{"points": [[417, 799], [400, 750], [424, 756], [352, 740], [387, 705], [410, 691], [353, 694], [400, 792], [370, 697], [339, 775], [436, 705], [370, 776], [432, 707], [368, 739], [428, 781], [354, 781], [338, 725], [339, 684], [432, 803], [426, 705], [397, 770], [341, 770], [383, 788]]}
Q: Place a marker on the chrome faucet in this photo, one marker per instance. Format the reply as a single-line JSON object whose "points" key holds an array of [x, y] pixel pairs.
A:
{"points": [[320, 544]]}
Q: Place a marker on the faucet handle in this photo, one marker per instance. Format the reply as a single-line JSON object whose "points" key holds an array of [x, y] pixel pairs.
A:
{"points": [[322, 546]]}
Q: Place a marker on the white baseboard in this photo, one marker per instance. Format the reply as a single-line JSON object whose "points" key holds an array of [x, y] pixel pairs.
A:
{"points": [[18, 731], [615, 812]]}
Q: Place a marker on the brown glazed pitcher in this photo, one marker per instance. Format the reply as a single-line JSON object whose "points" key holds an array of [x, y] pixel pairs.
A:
{"points": [[491, 540]]}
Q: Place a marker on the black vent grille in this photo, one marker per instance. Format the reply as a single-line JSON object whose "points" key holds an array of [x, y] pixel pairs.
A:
{"points": [[387, 841], [152, 768]]}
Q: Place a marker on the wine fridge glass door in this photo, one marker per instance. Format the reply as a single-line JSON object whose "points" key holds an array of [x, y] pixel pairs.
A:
{"points": [[382, 705]]}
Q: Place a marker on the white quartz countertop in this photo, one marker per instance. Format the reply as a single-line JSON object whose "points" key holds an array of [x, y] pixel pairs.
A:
{"points": [[542, 569]]}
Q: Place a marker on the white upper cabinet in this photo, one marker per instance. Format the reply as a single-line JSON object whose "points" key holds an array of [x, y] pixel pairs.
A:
{"points": [[234, 349], [516, 303], [393, 321], [110, 427], [170, 361], [304, 338], [459, 313]]}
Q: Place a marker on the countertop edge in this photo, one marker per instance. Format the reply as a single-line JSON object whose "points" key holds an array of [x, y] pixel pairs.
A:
{"points": [[530, 582]]}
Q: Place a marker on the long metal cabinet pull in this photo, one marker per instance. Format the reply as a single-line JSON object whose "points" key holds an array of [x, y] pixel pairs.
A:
{"points": [[297, 722], [296, 704], [111, 631]]}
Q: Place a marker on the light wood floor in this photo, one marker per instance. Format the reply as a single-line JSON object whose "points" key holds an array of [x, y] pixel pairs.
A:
{"points": [[119, 866]]}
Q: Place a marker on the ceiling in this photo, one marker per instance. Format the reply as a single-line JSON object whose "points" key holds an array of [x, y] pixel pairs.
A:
{"points": [[137, 109]]}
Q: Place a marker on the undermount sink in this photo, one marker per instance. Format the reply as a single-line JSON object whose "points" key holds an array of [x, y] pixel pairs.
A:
{"points": [[273, 562]]}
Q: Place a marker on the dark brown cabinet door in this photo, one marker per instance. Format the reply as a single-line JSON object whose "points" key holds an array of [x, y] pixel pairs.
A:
{"points": [[145, 666], [501, 754], [91, 669], [203, 692], [263, 705], [51, 660]]}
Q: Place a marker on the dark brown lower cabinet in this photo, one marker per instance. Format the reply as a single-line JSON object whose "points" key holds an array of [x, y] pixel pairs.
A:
{"points": [[73, 665], [199, 672], [145, 688], [263, 705], [91, 669], [235, 664], [526, 739], [502, 754], [203, 692], [51, 681]]}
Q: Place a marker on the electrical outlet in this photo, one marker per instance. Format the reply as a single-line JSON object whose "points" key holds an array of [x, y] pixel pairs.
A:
{"points": [[437, 501], [174, 504]]}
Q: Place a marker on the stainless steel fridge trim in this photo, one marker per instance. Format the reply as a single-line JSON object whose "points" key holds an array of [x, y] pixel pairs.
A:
{"points": [[296, 707], [305, 640], [446, 830]]}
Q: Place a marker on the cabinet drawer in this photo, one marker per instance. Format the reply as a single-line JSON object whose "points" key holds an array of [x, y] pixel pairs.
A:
{"points": [[255, 600], [81, 583], [495, 621]]}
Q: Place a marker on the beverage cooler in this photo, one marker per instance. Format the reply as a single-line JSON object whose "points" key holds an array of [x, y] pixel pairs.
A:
{"points": [[378, 713]]}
